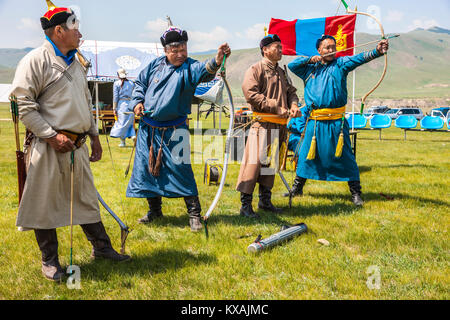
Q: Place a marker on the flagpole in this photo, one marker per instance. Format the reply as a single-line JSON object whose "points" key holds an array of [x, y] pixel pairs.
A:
{"points": [[354, 81]]}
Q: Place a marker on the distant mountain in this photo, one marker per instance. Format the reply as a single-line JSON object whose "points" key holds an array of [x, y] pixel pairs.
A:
{"points": [[418, 66], [204, 52], [9, 58], [439, 30]]}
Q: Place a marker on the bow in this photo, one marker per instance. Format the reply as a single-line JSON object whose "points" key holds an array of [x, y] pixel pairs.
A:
{"points": [[124, 229], [363, 100], [227, 148]]}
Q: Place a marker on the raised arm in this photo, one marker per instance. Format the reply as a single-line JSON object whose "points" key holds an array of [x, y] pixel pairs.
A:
{"points": [[301, 67], [348, 64]]}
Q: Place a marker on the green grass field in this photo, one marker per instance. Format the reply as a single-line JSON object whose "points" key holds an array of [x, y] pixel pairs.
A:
{"points": [[406, 238]]}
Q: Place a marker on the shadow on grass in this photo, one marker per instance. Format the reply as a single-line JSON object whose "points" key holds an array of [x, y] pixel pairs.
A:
{"points": [[233, 219], [157, 261], [363, 169], [396, 166], [375, 196]]}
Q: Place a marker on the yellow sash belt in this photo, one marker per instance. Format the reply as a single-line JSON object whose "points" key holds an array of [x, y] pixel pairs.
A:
{"points": [[270, 117], [327, 114]]}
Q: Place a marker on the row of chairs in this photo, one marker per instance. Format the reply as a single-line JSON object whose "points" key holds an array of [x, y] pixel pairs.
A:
{"points": [[383, 121]]}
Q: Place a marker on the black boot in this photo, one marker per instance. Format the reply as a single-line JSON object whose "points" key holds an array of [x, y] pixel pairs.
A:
{"points": [[246, 208], [101, 244], [194, 209], [48, 243], [265, 202], [297, 187], [154, 212], [355, 189]]}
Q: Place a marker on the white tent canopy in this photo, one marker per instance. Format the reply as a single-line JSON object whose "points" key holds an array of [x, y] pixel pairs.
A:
{"points": [[5, 91], [107, 57]]}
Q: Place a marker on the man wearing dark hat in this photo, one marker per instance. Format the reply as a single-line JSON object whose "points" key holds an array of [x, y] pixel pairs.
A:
{"points": [[162, 96], [325, 153], [54, 105], [273, 100]]}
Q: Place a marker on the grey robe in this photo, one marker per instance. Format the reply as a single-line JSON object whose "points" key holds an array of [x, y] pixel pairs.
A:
{"points": [[53, 96]]}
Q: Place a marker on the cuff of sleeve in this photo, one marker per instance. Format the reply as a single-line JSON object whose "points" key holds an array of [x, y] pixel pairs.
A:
{"points": [[273, 106], [133, 103], [294, 101], [211, 66], [36, 124], [374, 54], [93, 133]]}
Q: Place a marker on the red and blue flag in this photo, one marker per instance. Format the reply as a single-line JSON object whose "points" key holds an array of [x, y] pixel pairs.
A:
{"points": [[299, 37]]}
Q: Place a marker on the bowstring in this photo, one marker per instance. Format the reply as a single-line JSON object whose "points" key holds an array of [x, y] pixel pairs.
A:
{"points": [[114, 172]]}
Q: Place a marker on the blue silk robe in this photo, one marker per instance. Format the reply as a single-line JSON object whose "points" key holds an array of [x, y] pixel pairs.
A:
{"points": [[326, 87], [166, 92], [123, 127], [295, 127]]}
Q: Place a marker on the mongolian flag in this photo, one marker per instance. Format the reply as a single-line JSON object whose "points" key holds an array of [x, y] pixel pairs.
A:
{"points": [[299, 37]]}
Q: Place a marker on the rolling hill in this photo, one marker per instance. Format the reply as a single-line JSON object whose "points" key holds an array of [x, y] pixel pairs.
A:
{"points": [[418, 67]]}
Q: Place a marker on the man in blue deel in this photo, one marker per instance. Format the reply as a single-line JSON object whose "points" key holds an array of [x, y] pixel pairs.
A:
{"points": [[296, 128], [326, 153], [122, 90], [162, 97]]}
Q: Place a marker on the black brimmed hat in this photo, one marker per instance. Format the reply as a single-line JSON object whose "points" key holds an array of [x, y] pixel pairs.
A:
{"points": [[319, 41], [55, 16], [172, 35], [270, 38]]}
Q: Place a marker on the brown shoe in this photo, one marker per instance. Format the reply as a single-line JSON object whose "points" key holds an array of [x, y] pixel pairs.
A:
{"points": [[195, 223], [110, 254], [101, 244], [154, 212], [48, 244], [194, 209], [53, 271]]}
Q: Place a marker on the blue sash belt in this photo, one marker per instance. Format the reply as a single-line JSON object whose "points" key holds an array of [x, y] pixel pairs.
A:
{"points": [[163, 124]]}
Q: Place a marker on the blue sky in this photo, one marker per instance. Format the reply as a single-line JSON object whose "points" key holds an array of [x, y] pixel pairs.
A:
{"points": [[209, 23]]}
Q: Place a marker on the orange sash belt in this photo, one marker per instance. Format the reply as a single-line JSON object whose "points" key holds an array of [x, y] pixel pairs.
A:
{"points": [[270, 117], [327, 113]]}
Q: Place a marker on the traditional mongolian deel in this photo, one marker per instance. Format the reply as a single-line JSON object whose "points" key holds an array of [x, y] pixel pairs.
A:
{"points": [[299, 36], [326, 92], [166, 92], [54, 96], [266, 90], [123, 127]]}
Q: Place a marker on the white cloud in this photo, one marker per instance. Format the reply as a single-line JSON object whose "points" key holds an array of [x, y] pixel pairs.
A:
{"points": [[255, 32], [203, 41], [28, 24], [198, 40], [395, 16], [28, 34], [154, 29], [423, 24]]}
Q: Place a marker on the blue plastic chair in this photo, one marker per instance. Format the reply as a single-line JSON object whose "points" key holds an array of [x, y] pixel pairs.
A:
{"points": [[380, 121], [431, 123], [406, 123], [360, 121]]}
